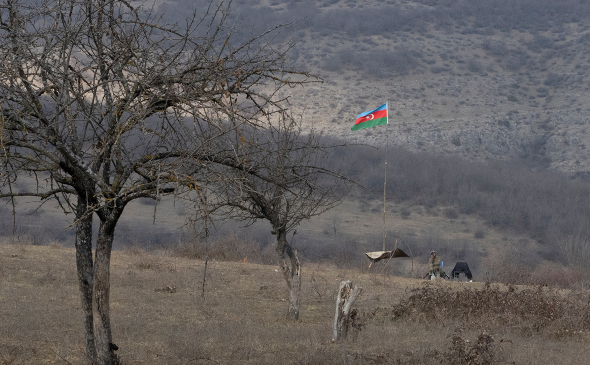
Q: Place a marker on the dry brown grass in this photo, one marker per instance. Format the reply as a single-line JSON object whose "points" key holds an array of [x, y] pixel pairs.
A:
{"points": [[240, 318], [227, 248]]}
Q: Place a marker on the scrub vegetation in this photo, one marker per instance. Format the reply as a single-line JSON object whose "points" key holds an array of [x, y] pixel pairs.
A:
{"points": [[161, 315], [528, 217], [487, 164]]}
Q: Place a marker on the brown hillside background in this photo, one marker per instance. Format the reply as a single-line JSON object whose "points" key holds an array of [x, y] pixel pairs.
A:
{"points": [[479, 79], [476, 80]]}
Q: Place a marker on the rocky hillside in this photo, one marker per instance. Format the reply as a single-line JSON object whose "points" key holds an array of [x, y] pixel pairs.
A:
{"points": [[483, 79]]}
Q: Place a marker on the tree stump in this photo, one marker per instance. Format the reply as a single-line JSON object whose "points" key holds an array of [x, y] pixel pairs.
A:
{"points": [[342, 320]]}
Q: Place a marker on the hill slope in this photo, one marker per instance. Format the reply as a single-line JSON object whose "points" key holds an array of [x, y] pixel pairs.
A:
{"points": [[160, 316], [482, 79]]}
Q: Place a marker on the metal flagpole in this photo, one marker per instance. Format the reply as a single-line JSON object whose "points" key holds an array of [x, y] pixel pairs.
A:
{"points": [[385, 181]]}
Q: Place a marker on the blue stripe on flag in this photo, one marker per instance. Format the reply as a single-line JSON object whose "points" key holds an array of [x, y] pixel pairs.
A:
{"points": [[382, 107]]}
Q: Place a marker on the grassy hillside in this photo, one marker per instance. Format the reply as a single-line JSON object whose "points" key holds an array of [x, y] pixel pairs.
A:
{"points": [[499, 217], [160, 315], [483, 79], [477, 79]]}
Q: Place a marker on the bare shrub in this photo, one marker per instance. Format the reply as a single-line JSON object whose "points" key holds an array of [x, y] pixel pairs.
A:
{"points": [[504, 266], [557, 275], [55, 245], [480, 352], [234, 248], [189, 250], [505, 122], [11, 354], [439, 69], [543, 92], [405, 213], [451, 213], [495, 48], [462, 351], [554, 80], [376, 63], [539, 43], [514, 273], [515, 195], [22, 236], [134, 251], [517, 59], [147, 262], [575, 250], [268, 255], [228, 248], [479, 233], [492, 305], [473, 65]]}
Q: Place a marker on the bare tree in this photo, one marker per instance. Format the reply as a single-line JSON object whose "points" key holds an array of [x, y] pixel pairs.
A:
{"points": [[281, 175], [575, 249], [100, 104]]}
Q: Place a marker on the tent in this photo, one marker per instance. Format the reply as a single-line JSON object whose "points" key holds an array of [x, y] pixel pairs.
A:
{"points": [[461, 267], [377, 256]]}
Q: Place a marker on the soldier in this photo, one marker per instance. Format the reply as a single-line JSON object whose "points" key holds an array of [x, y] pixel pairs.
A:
{"points": [[434, 265]]}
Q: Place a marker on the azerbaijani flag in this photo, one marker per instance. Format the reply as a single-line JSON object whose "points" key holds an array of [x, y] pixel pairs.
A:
{"points": [[371, 118]]}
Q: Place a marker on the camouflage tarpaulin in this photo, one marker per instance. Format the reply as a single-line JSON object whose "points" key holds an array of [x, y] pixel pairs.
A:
{"points": [[380, 255]]}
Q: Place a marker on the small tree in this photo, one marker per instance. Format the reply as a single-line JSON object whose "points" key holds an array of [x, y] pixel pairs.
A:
{"points": [[100, 105], [281, 175]]}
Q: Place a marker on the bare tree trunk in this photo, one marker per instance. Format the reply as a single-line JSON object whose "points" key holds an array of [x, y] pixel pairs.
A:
{"points": [[102, 327], [295, 292], [85, 275], [346, 297], [292, 274]]}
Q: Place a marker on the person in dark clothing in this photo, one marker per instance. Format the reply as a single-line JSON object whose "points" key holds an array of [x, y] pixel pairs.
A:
{"points": [[461, 267]]}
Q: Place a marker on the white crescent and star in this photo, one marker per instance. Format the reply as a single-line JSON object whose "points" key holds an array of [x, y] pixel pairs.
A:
{"points": [[369, 117]]}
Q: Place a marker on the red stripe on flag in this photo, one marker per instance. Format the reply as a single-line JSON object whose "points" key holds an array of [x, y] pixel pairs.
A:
{"points": [[376, 115]]}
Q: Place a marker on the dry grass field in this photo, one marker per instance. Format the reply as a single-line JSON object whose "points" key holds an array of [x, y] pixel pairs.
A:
{"points": [[456, 86], [160, 315]]}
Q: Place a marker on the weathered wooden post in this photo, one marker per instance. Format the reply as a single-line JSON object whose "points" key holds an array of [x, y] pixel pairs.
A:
{"points": [[346, 297]]}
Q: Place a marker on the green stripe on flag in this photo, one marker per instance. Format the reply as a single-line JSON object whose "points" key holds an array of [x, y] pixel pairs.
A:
{"points": [[369, 124]]}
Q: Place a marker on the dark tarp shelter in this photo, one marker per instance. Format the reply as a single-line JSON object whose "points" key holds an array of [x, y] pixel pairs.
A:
{"points": [[461, 267]]}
